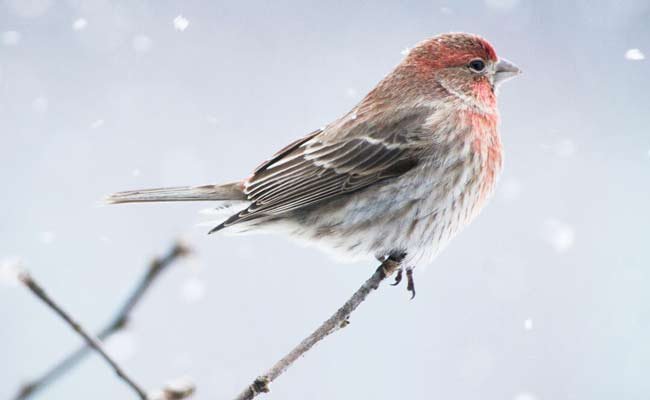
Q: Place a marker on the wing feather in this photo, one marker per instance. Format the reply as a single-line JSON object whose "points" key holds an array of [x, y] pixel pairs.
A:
{"points": [[325, 165]]}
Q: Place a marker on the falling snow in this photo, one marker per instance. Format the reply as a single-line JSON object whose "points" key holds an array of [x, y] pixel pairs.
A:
{"points": [[10, 38], [109, 32], [181, 385], [79, 24], [9, 270], [634, 55], [528, 324], [525, 396], [181, 23], [558, 234]]}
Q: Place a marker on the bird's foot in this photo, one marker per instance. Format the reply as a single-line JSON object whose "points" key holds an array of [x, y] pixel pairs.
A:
{"points": [[410, 282], [398, 277], [391, 262]]}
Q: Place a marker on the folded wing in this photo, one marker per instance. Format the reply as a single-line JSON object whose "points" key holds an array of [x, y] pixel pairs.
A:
{"points": [[321, 167]]}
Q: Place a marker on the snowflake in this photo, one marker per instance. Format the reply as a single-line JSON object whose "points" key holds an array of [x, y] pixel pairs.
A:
{"points": [[528, 324], [525, 396], [9, 270], [181, 23], [79, 24], [634, 55]]}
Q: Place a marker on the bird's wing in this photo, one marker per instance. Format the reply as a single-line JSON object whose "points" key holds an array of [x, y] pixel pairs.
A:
{"points": [[330, 163]]}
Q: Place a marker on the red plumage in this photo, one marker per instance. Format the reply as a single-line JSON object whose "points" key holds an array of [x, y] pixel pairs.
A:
{"points": [[401, 173]]}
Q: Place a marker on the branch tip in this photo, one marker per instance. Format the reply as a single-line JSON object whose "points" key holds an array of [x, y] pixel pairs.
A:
{"points": [[340, 319], [176, 390], [178, 250]]}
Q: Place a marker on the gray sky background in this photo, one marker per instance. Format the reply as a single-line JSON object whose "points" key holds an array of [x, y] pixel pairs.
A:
{"points": [[544, 297]]}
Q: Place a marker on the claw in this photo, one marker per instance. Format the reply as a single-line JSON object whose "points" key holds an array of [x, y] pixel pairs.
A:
{"points": [[410, 286], [398, 278]]}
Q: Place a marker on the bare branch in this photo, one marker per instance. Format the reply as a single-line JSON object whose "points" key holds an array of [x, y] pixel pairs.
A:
{"points": [[93, 342], [178, 390], [119, 321], [334, 323]]}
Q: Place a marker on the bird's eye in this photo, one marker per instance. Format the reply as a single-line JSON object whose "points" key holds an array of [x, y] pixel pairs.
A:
{"points": [[477, 65]]}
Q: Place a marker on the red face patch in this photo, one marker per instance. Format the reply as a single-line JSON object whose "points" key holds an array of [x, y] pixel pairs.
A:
{"points": [[455, 49], [489, 50]]}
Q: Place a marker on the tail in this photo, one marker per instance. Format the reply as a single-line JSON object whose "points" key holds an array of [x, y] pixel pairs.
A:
{"points": [[229, 191]]}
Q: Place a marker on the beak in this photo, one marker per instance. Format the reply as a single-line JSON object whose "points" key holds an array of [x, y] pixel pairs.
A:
{"points": [[504, 70]]}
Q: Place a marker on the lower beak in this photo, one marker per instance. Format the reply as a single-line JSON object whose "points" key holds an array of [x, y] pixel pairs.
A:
{"points": [[505, 70]]}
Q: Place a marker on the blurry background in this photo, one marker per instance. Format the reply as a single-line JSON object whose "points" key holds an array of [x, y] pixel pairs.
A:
{"points": [[545, 296]]}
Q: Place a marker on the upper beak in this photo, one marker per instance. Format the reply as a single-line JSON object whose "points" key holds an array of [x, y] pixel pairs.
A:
{"points": [[505, 70]]}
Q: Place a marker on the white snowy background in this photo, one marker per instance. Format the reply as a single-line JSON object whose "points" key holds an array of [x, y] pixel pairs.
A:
{"points": [[546, 296]]}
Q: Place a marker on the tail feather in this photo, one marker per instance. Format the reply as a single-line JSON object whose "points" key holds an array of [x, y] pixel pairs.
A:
{"points": [[229, 191]]}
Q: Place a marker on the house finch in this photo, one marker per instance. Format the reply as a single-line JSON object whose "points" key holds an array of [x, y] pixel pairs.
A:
{"points": [[396, 177]]}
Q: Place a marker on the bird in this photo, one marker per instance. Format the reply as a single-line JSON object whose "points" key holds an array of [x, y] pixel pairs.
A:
{"points": [[396, 177]]}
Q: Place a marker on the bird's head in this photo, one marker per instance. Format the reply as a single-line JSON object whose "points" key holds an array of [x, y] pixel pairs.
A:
{"points": [[463, 65]]}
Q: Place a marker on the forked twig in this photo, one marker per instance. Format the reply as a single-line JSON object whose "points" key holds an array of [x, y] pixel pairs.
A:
{"points": [[118, 322], [91, 341], [334, 323]]}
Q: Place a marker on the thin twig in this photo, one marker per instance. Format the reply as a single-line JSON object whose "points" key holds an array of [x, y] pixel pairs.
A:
{"points": [[334, 323], [119, 321], [93, 342]]}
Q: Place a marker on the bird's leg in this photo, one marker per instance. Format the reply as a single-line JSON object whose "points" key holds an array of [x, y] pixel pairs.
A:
{"points": [[398, 277], [398, 257], [410, 283]]}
